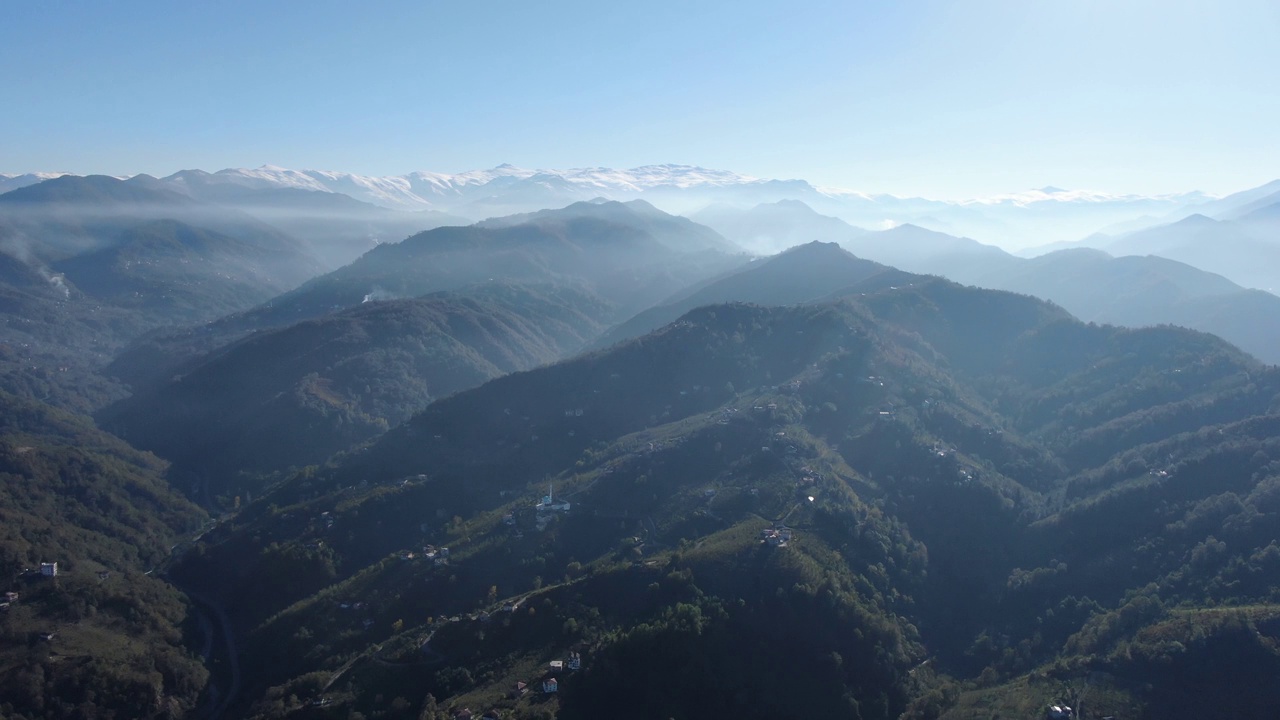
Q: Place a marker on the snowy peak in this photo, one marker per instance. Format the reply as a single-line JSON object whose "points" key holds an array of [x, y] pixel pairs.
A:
{"points": [[13, 182], [1034, 217]]}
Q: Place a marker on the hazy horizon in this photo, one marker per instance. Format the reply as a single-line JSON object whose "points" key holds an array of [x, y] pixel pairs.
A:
{"points": [[1137, 99]]}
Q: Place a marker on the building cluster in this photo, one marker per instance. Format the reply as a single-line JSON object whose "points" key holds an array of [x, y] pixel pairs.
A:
{"points": [[778, 536], [437, 555], [550, 684]]}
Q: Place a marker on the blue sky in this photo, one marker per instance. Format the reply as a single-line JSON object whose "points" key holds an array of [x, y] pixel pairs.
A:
{"points": [[956, 99]]}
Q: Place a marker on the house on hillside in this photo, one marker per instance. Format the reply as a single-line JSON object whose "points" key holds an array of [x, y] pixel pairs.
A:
{"points": [[776, 536], [463, 714], [521, 689], [1059, 712], [550, 686], [11, 597], [557, 666], [49, 569], [575, 661]]}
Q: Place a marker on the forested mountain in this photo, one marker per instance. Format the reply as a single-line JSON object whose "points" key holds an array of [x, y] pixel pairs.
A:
{"points": [[91, 263], [628, 255], [169, 270], [673, 232], [296, 395], [70, 215], [102, 638], [872, 494], [1130, 290], [1034, 508], [806, 273]]}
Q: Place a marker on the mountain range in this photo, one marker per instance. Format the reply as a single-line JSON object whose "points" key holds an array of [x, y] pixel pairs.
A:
{"points": [[1134, 290], [1022, 219], [971, 483], [299, 455]]}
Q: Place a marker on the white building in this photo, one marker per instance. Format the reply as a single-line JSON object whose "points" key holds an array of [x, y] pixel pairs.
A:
{"points": [[549, 503]]}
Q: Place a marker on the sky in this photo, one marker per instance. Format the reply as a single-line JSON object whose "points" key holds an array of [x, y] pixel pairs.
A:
{"points": [[948, 100]]}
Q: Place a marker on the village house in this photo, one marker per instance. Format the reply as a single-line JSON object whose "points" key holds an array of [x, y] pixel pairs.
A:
{"points": [[521, 688], [557, 666], [49, 569], [463, 714], [550, 686], [11, 597], [575, 661]]}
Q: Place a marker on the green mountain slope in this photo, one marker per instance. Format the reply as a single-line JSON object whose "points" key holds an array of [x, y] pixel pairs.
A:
{"points": [[624, 257], [1139, 287], [180, 274], [972, 478], [296, 395], [802, 274], [102, 638], [92, 263]]}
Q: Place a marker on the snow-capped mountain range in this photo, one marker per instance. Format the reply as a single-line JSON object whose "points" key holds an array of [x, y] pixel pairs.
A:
{"points": [[1015, 220]]}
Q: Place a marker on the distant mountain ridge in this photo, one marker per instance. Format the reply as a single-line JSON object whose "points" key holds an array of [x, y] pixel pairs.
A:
{"points": [[1028, 218], [1135, 289]]}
